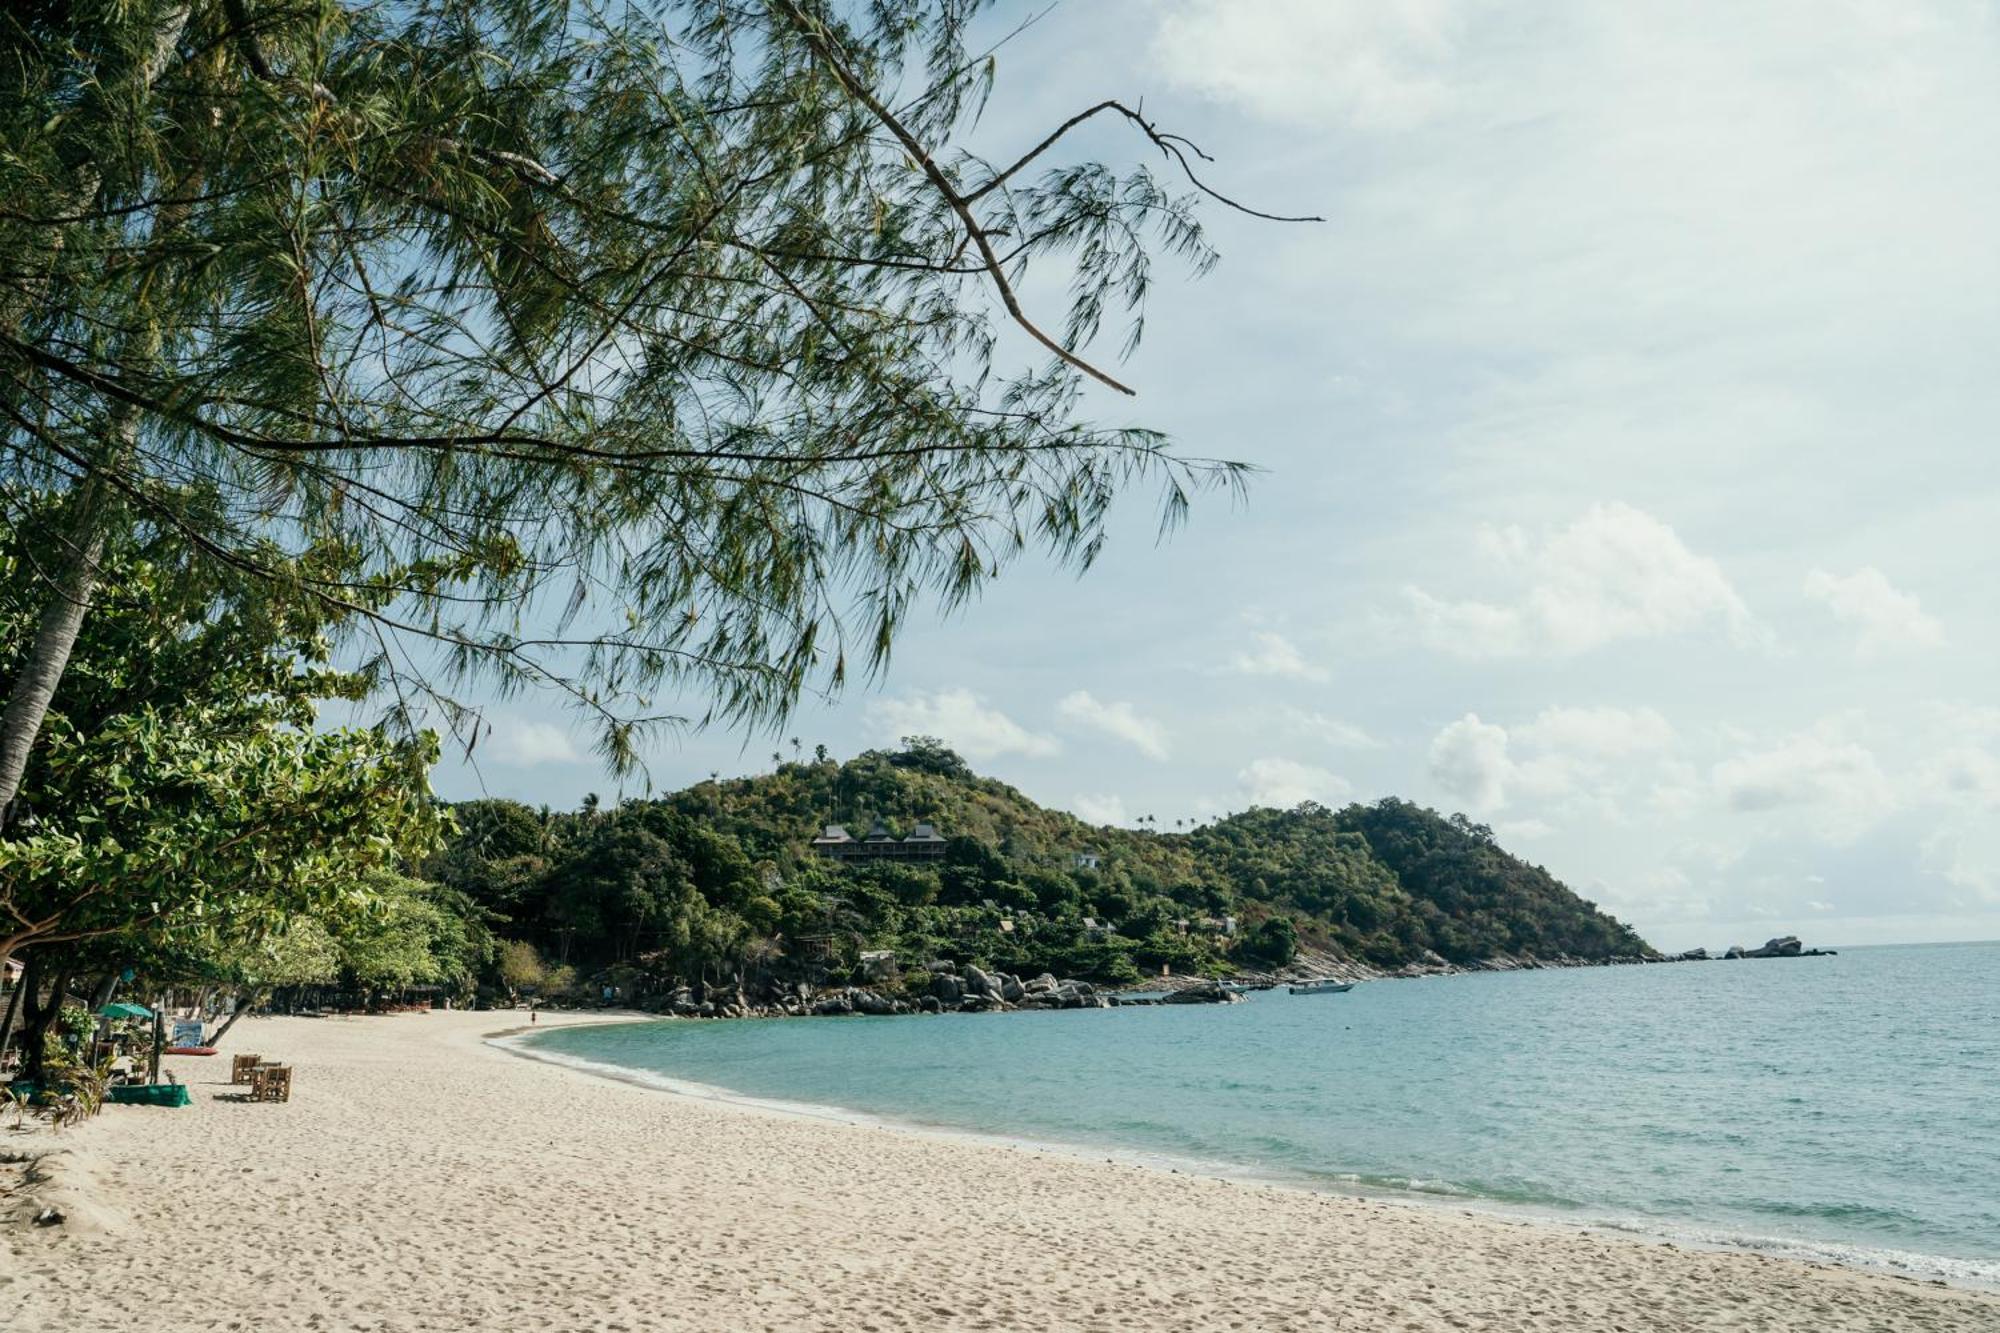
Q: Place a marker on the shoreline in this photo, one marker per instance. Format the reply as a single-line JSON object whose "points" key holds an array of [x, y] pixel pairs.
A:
{"points": [[421, 1180], [1633, 1229]]}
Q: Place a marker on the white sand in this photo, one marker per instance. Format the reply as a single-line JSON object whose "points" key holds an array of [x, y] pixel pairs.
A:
{"points": [[421, 1180]]}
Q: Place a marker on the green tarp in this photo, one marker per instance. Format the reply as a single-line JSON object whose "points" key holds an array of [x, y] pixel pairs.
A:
{"points": [[152, 1094]]}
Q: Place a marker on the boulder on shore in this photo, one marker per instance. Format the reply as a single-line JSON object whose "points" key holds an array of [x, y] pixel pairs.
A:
{"points": [[1208, 992], [868, 1002]]}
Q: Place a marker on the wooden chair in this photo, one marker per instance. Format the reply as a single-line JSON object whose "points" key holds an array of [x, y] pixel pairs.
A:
{"points": [[241, 1065], [271, 1083]]}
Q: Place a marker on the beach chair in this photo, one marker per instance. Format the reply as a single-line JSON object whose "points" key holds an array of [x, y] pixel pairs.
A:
{"points": [[241, 1065]]}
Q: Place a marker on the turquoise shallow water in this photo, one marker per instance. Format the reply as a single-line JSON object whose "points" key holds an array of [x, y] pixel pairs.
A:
{"points": [[1843, 1108]]}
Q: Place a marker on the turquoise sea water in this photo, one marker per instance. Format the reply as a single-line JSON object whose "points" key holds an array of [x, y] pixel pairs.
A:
{"points": [[1842, 1108]]}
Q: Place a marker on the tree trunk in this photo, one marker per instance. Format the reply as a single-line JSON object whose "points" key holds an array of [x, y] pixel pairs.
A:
{"points": [[159, 1040], [82, 547], [13, 1010], [41, 1015], [244, 1004], [55, 636]]}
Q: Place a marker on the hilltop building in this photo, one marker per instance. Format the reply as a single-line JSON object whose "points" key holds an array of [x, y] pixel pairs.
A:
{"points": [[836, 843]]}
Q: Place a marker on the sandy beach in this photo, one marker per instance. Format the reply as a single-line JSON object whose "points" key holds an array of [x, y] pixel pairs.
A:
{"points": [[420, 1179]]}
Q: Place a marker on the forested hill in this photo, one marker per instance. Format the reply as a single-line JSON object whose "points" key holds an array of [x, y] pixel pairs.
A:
{"points": [[722, 873]]}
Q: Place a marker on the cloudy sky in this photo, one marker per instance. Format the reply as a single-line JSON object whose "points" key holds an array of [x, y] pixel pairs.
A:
{"points": [[1625, 434]]}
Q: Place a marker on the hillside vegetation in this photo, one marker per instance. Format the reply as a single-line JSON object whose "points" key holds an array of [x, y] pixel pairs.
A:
{"points": [[719, 879]]}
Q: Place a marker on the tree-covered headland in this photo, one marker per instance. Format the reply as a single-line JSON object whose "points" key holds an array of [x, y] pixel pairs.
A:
{"points": [[719, 881]]}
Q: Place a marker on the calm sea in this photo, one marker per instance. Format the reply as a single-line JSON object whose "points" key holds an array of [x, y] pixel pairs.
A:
{"points": [[1841, 1108]]}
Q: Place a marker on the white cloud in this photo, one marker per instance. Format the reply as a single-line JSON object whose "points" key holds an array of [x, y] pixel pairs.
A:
{"points": [[1369, 63], [1331, 730], [1964, 775], [1615, 573], [1522, 830], [1272, 654], [1119, 720], [1469, 760], [1601, 733], [521, 743], [1100, 808], [1286, 782], [1888, 620], [1582, 761], [962, 721], [1836, 779]]}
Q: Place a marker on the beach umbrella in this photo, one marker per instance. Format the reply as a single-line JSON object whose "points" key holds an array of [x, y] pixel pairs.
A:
{"points": [[123, 1010]]}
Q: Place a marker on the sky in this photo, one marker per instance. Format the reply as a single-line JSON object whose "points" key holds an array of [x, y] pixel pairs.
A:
{"points": [[1625, 465]]}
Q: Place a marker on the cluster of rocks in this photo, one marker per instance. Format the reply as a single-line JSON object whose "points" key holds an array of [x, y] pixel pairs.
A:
{"points": [[974, 990], [944, 987], [1784, 946]]}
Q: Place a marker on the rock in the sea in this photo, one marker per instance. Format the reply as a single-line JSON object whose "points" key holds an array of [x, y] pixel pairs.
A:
{"points": [[930, 1005], [947, 988], [833, 1006], [1011, 988], [1784, 946], [1207, 992], [978, 982]]}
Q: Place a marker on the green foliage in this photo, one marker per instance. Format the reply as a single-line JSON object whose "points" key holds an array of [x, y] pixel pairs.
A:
{"points": [[185, 801], [716, 878], [1274, 941], [520, 966], [505, 299]]}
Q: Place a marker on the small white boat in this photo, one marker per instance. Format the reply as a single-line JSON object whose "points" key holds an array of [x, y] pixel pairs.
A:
{"points": [[1324, 986]]}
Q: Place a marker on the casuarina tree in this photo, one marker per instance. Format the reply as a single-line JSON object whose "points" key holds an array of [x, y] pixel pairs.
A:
{"points": [[642, 352]]}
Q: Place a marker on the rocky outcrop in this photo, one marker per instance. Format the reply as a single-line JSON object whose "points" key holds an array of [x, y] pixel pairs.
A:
{"points": [[1208, 992], [1784, 946]]}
